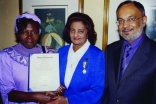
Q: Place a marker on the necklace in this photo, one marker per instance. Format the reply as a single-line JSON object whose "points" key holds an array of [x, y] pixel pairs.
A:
{"points": [[33, 50], [71, 61]]}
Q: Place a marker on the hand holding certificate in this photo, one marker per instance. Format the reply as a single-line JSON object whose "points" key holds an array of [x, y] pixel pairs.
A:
{"points": [[44, 72]]}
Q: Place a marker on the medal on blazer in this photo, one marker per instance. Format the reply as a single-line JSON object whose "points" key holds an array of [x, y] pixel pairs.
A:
{"points": [[85, 63]]}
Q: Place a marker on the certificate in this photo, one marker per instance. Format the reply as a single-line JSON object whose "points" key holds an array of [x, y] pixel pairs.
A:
{"points": [[44, 72]]}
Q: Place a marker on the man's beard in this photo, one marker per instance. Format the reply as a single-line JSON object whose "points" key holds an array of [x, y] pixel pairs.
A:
{"points": [[134, 36]]}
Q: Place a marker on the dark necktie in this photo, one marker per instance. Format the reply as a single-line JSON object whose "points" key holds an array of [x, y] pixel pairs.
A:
{"points": [[125, 58]]}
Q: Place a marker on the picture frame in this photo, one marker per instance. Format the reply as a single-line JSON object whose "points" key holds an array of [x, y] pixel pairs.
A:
{"points": [[53, 15], [105, 25], [110, 30], [150, 29]]}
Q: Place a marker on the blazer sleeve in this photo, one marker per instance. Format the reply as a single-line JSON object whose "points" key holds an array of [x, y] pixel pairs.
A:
{"points": [[95, 91], [6, 80]]}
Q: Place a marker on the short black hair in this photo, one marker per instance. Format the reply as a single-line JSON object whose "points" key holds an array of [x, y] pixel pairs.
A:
{"points": [[136, 4], [86, 20]]}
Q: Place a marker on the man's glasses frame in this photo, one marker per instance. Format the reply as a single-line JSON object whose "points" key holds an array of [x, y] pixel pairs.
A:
{"points": [[129, 20]]}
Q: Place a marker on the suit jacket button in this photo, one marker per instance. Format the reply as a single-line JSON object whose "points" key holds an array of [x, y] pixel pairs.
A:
{"points": [[117, 101]]}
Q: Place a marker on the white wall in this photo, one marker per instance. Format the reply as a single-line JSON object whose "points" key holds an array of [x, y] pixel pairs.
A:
{"points": [[94, 8]]}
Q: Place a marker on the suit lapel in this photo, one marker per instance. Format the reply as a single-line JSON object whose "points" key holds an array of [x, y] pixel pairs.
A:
{"points": [[117, 61], [138, 59]]}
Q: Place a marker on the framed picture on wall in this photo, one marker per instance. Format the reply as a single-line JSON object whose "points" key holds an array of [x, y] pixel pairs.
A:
{"points": [[52, 23], [53, 15], [151, 23], [105, 25]]}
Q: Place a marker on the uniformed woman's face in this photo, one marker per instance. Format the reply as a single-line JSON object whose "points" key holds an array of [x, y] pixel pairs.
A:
{"points": [[29, 35], [78, 33]]}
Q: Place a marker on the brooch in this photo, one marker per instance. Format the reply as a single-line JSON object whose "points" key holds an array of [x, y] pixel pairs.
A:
{"points": [[85, 63]]}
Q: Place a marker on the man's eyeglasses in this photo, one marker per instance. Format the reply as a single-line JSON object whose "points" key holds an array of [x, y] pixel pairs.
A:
{"points": [[129, 20]]}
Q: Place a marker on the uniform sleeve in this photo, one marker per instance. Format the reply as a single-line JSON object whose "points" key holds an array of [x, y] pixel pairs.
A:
{"points": [[6, 79]]}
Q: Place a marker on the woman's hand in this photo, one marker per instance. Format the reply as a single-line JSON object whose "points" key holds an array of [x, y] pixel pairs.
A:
{"points": [[56, 96], [58, 92], [59, 100], [44, 98]]}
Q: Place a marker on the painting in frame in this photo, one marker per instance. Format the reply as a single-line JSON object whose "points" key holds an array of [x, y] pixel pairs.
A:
{"points": [[53, 15], [151, 23], [105, 25], [110, 27]]}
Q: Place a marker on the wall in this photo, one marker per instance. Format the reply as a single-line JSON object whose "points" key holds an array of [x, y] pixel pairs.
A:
{"points": [[8, 13], [94, 9]]}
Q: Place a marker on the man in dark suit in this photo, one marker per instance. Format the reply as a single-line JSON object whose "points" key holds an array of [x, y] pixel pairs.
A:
{"points": [[130, 62]]}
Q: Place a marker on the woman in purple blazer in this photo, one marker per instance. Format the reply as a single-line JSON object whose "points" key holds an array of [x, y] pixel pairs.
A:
{"points": [[82, 65]]}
